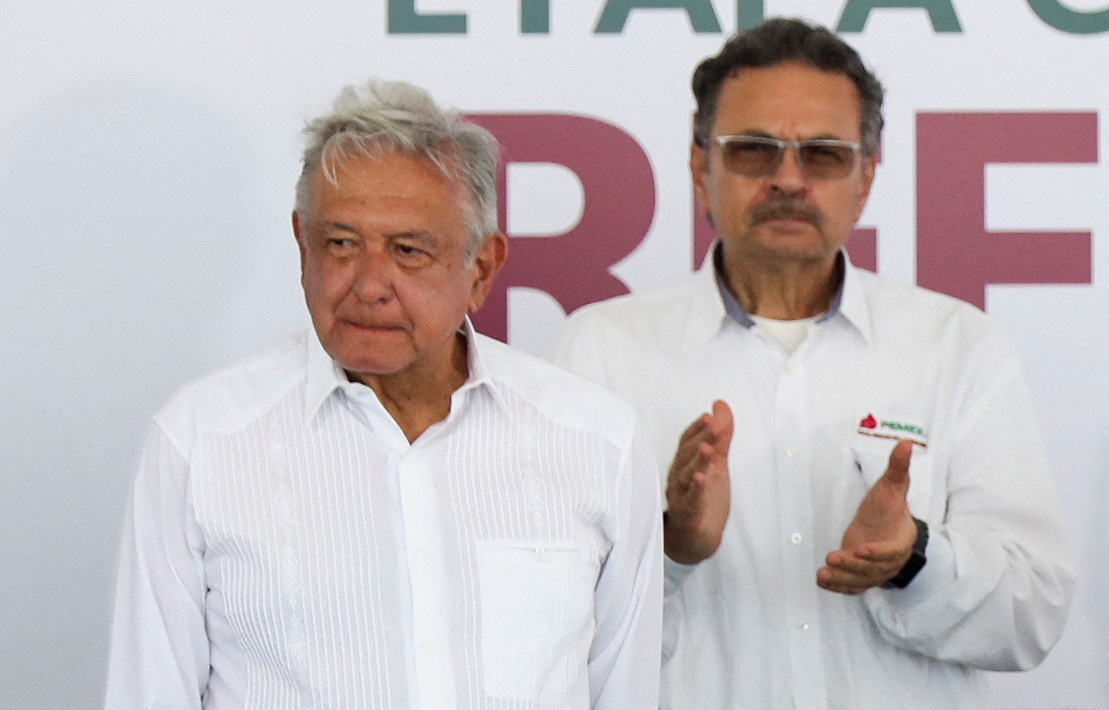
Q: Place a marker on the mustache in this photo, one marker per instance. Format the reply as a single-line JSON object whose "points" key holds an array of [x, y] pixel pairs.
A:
{"points": [[787, 208]]}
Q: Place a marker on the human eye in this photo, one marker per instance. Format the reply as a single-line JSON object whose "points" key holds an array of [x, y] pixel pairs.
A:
{"points": [[340, 244], [752, 146], [750, 155], [830, 154], [411, 253]]}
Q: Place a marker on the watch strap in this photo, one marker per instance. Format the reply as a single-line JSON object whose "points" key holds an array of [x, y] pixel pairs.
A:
{"points": [[916, 560]]}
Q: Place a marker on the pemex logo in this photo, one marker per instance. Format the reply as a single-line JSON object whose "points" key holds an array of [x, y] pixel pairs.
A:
{"points": [[891, 429]]}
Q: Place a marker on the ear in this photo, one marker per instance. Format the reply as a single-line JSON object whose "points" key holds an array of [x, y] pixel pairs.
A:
{"points": [[697, 168], [298, 233], [487, 263], [868, 167]]}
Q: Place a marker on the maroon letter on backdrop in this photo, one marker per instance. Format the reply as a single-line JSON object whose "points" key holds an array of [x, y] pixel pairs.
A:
{"points": [[619, 196], [955, 253]]}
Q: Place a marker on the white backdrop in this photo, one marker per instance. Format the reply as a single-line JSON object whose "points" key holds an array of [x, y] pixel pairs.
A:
{"points": [[148, 152]]}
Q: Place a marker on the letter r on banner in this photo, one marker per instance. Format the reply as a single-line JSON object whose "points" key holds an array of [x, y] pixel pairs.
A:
{"points": [[619, 196], [955, 253]]}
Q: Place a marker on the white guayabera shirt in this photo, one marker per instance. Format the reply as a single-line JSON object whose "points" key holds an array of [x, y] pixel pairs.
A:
{"points": [[748, 627], [286, 546]]}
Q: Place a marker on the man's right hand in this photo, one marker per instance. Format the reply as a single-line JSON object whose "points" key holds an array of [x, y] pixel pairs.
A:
{"points": [[698, 492]]}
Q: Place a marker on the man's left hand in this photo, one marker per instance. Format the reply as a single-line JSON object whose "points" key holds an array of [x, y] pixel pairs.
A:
{"points": [[879, 541]]}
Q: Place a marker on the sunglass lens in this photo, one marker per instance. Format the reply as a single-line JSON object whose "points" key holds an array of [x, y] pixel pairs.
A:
{"points": [[826, 161], [751, 158]]}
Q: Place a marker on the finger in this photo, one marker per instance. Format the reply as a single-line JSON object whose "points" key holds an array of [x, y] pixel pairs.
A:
{"points": [[723, 424], [848, 563], [835, 581], [701, 422], [688, 446], [690, 505], [878, 552], [696, 433], [879, 561], [687, 494], [692, 460], [852, 570], [898, 469], [840, 579], [695, 484]]}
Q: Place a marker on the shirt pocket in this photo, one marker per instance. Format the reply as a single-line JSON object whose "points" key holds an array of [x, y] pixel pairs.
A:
{"points": [[872, 456], [536, 618]]}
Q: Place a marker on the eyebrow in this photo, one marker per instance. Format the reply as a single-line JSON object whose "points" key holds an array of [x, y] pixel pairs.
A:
{"points": [[420, 235], [759, 133], [339, 226]]}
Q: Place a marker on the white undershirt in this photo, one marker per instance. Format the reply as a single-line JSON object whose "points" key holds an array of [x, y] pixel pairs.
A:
{"points": [[788, 334]]}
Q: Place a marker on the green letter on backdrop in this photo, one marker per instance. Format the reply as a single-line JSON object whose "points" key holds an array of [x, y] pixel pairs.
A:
{"points": [[535, 16], [1068, 20], [615, 14], [404, 20], [749, 13], [940, 12]]}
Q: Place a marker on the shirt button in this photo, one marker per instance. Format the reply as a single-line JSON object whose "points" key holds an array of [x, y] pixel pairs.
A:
{"points": [[421, 552], [803, 626], [542, 555], [427, 646], [791, 453], [796, 538], [787, 368]]}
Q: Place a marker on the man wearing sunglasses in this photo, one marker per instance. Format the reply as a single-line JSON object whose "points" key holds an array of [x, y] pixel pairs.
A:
{"points": [[864, 518]]}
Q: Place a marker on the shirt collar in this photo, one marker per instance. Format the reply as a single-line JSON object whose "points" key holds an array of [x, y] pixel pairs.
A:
{"points": [[847, 299], [851, 301], [325, 376], [481, 363], [731, 304], [706, 312]]}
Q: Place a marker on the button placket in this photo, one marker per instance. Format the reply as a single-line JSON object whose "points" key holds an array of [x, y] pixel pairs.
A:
{"points": [[430, 587]]}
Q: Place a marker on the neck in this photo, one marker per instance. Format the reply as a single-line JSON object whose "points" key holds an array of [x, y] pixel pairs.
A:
{"points": [[417, 398], [785, 289]]}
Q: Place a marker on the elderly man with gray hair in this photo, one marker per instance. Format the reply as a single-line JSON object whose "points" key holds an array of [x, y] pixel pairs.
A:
{"points": [[391, 510]]}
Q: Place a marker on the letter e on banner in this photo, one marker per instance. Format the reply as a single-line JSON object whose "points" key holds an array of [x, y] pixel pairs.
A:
{"points": [[955, 253], [619, 205]]}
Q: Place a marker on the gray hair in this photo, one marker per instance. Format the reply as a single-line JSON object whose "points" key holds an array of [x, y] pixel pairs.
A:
{"points": [[385, 116]]}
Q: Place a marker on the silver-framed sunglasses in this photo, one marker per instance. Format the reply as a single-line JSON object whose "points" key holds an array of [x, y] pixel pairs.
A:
{"points": [[760, 156]]}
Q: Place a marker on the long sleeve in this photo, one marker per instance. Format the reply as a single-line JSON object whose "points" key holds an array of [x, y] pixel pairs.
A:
{"points": [[625, 656], [999, 579], [159, 655], [749, 627]]}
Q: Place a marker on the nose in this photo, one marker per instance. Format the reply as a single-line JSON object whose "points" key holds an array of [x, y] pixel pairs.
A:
{"points": [[373, 277], [789, 176]]}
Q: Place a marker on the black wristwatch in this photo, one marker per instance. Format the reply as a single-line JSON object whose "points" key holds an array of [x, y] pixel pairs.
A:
{"points": [[916, 560]]}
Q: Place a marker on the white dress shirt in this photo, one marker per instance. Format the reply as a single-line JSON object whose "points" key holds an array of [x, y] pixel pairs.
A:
{"points": [[286, 547], [748, 629]]}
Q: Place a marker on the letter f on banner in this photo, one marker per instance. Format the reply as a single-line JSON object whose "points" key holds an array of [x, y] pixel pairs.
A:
{"points": [[955, 252]]}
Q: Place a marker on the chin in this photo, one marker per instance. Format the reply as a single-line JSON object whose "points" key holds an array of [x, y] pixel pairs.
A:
{"points": [[359, 370], [362, 359]]}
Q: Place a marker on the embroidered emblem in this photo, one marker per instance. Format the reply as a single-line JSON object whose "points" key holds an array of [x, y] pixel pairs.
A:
{"points": [[888, 429]]}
